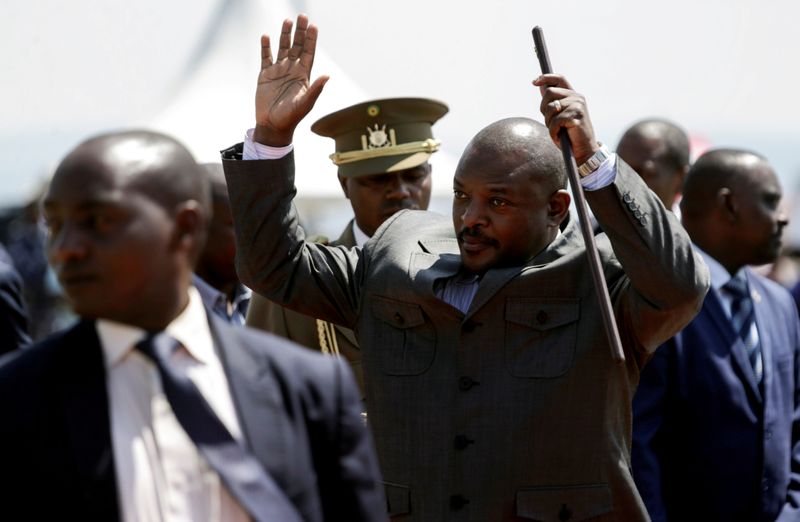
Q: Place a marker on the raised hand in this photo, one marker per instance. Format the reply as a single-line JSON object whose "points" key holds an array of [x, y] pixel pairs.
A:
{"points": [[283, 95], [563, 108]]}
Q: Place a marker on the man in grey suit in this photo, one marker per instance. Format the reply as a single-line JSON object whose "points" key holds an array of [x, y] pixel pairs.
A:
{"points": [[491, 389]]}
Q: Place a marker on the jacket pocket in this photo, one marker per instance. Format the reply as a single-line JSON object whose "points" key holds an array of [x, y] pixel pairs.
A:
{"points": [[540, 336], [405, 341], [564, 503], [398, 499]]}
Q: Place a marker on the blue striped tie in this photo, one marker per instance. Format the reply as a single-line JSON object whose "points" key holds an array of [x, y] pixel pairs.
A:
{"points": [[743, 319], [241, 472]]}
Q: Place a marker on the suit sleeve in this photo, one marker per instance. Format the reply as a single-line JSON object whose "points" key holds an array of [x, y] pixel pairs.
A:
{"points": [[272, 256], [13, 317], [649, 407], [665, 280], [357, 494], [791, 509]]}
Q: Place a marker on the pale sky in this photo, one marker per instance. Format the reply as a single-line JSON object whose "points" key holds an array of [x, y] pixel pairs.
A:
{"points": [[725, 70]]}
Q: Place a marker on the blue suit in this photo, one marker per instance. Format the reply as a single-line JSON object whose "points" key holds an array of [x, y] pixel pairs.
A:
{"points": [[709, 442], [300, 415]]}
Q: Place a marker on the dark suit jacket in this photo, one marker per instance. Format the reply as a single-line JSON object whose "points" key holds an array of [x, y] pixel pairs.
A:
{"points": [[303, 329], [709, 443], [13, 317], [300, 414], [514, 410]]}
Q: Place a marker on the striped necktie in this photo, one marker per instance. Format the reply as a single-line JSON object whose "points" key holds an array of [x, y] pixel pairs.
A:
{"points": [[241, 472], [743, 319]]}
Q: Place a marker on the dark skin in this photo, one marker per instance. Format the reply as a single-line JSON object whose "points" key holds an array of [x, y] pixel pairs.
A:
{"points": [[738, 222], [376, 197], [645, 153], [505, 210], [285, 95], [217, 261], [119, 251]]}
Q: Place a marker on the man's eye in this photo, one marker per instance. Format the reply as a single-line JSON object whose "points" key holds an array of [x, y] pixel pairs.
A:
{"points": [[458, 194], [499, 202]]}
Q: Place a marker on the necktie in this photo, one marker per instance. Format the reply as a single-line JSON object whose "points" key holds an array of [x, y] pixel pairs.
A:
{"points": [[743, 319], [241, 473]]}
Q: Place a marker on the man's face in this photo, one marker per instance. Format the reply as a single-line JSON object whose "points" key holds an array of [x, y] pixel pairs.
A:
{"points": [[761, 218], [111, 245], [646, 157], [501, 217], [375, 198], [218, 257]]}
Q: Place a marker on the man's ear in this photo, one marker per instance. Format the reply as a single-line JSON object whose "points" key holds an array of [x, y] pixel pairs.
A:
{"points": [[558, 206], [726, 203], [343, 183], [191, 226]]}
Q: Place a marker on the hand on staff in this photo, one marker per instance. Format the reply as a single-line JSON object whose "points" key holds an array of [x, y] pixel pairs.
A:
{"points": [[563, 108], [283, 95]]}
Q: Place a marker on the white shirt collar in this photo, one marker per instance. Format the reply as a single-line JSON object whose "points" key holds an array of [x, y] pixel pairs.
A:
{"points": [[190, 328], [359, 235], [719, 274]]}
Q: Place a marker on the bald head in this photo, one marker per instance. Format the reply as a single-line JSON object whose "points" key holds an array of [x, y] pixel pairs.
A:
{"points": [[520, 146], [658, 150], [508, 195], [731, 208], [153, 163], [718, 169]]}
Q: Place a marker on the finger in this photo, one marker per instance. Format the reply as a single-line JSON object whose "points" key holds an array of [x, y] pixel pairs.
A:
{"points": [[266, 52], [313, 92], [299, 37], [552, 80], [286, 39], [310, 48]]}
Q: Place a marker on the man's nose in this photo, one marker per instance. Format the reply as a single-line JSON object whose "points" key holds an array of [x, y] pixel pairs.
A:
{"points": [[68, 244], [473, 215], [398, 188]]}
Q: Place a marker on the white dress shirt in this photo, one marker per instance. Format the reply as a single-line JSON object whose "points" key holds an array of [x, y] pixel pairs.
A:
{"points": [[160, 474]]}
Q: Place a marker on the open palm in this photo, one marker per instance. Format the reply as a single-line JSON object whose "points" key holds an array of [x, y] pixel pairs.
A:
{"points": [[283, 95]]}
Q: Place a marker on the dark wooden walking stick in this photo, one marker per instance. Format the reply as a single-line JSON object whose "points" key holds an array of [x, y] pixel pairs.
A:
{"points": [[583, 218]]}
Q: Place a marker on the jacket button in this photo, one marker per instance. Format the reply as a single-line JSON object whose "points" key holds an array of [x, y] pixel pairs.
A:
{"points": [[470, 325], [541, 317], [768, 434], [466, 383], [399, 318], [458, 502], [462, 441], [564, 513]]}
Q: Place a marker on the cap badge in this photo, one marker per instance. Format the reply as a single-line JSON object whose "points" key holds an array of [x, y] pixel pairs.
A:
{"points": [[378, 138]]}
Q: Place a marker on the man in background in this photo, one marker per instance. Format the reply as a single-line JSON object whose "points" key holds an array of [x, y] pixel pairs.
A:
{"points": [[717, 413], [215, 274], [658, 150]]}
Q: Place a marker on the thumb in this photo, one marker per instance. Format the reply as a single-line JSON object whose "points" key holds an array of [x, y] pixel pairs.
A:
{"points": [[313, 91]]}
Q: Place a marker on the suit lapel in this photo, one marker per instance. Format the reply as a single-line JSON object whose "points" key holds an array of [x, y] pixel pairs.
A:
{"points": [[764, 332], [438, 259], [256, 396], [84, 399], [723, 324]]}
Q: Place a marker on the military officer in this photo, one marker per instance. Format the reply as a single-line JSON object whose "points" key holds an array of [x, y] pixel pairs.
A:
{"points": [[382, 151]]}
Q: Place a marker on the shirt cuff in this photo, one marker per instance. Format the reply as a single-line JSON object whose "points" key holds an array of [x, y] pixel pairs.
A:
{"points": [[259, 151], [604, 176]]}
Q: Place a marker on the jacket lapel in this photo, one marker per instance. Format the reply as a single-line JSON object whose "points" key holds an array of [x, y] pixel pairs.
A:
{"points": [[738, 353], [84, 399], [256, 397], [438, 259]]}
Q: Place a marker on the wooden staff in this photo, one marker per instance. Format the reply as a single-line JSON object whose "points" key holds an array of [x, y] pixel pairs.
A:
{"points": [[603, 299]]}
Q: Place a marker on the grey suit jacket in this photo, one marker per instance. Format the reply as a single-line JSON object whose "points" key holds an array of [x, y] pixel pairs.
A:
{"points": [[514, 410], [316, 334], [299, 412]]}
